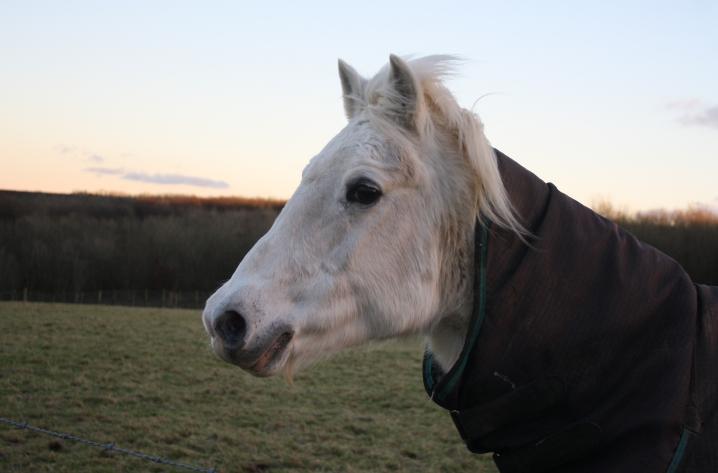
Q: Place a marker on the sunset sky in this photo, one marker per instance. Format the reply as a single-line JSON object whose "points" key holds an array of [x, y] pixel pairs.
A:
{"points": [[609, 100]]}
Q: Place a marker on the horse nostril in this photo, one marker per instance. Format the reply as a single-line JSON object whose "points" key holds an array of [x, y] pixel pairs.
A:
{"points": [[231, 327]]}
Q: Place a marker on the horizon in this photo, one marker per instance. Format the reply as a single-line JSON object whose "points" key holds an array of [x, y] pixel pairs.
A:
{"points": [[610, 102], [692, 212]]}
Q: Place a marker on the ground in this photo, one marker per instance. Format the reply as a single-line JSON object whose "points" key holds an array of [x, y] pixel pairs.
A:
{"points": [[145, 379]]}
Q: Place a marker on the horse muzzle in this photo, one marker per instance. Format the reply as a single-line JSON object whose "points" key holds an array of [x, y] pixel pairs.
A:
{"points": [[258, 354]]}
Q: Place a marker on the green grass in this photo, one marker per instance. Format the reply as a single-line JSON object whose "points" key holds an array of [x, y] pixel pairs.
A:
{"points": [[145, 379]]}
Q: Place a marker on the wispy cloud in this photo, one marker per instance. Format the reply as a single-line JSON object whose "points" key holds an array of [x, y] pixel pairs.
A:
{"points": [[65, 149], [685, 104], [162, 179], [707, 117], [101, 171], [175, 179], [695, 112], [79, 153]]}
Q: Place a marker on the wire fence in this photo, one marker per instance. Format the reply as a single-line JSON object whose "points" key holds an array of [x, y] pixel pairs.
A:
{"points": [[124, 297], [108, 447]]}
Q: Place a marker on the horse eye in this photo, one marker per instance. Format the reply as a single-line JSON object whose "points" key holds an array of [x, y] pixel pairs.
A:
{"points": [[363, 192]]}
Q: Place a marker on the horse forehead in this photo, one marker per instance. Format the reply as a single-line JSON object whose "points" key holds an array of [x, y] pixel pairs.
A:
{"points": [[357, 142]]}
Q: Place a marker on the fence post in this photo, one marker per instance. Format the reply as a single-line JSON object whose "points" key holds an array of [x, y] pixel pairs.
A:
{"points": [[24, 295], [99, 296]]}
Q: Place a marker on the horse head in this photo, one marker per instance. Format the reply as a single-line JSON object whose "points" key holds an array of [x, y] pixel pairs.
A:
{"points": [[376, 241]]}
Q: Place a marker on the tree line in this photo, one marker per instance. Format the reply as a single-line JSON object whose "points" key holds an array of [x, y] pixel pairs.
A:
{"points": [[145, 250], [690, 236], [176, 250]]}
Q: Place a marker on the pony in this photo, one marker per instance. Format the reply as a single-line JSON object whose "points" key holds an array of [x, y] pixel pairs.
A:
{"points": [[409, 222]]}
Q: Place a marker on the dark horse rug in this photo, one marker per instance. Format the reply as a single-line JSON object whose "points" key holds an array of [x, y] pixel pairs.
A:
{"points": [[588, 350]]}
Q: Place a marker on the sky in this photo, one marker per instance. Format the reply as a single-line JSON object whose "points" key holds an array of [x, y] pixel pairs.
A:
{"points": [[610, 100]]}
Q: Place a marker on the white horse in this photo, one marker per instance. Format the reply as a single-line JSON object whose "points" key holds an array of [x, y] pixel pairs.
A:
{"points": [[584, 350], [377, 241]]}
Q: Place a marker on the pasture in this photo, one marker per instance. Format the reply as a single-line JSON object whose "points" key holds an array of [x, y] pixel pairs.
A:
{"points": [[145, 379]]}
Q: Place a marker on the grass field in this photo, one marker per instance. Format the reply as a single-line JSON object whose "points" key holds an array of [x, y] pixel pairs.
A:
{"points": [[145, 379]]}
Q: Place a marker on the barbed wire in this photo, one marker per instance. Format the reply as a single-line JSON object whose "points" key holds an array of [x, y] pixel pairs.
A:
{"points": [[110, 447]]}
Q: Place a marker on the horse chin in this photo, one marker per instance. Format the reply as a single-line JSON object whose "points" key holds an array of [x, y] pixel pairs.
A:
{"points": [[271, 365], [271, 361]]}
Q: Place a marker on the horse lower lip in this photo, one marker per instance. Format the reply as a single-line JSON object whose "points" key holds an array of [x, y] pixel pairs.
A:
{"points": [[276, 348]]}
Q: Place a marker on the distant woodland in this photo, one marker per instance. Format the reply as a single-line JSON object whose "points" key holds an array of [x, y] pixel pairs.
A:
{"points": [[148, 250], [689, 236], [176, 250]]}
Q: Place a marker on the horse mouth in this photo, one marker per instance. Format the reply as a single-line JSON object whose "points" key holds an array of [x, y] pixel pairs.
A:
{"points": [[263, 365]]}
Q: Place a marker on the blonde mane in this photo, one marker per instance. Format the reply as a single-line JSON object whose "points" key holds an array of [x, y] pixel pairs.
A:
{"points": [[441, 107]]}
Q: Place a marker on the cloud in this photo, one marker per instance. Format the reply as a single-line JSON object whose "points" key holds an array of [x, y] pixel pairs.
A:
{"points": [[175, 179], [685, 104], [695, 112], [65, 149], [77, 152], [100, 171], [707, 117], [162, 179]]}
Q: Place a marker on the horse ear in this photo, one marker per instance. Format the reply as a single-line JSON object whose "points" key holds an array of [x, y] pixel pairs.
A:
{"points": [[405, 95], [352, 89]]}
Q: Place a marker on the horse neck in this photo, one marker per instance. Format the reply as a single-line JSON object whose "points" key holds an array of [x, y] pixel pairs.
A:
{"points": [[447, 334], [506, 249]]}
